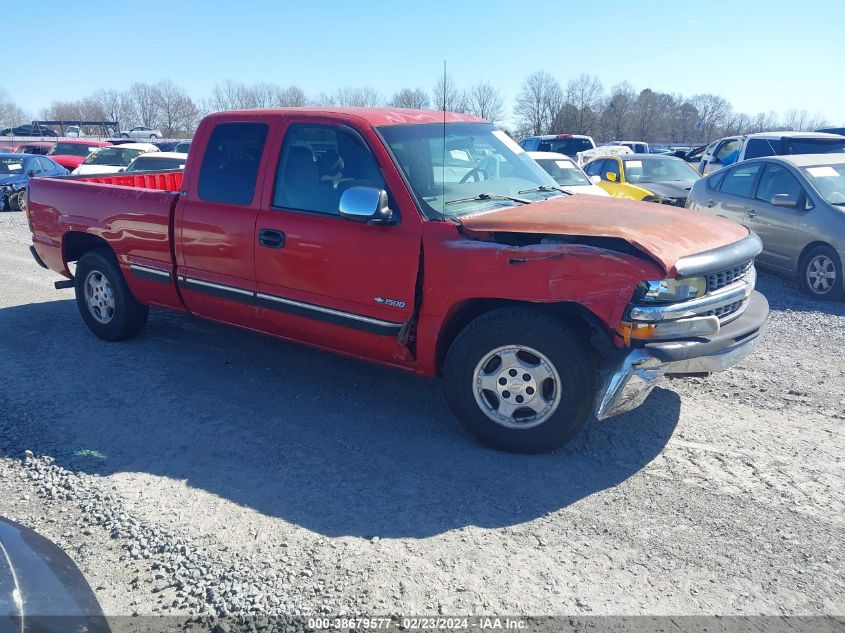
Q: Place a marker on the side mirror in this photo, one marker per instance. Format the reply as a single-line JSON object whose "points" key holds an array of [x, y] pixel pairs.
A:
{"points": [[783, 200], [365, 204], [611, 176], [31, 172], [595, 179]]}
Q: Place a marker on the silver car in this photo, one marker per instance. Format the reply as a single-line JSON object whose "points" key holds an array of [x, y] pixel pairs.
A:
{"points": [[796, 204]]}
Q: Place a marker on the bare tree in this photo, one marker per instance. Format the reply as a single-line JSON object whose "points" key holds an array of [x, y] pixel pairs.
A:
{"points": [[585, 100], [145, 104], [484, 101], [538, 103], [114, 105], [289, 97], [229, 95], [617, 111], [365, 97], [415, 98], [11, 115], [447, 96], [177, 111], [713, 113]]}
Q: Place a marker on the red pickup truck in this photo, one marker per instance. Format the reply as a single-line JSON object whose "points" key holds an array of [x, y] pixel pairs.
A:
{"points": [[428, 242]]}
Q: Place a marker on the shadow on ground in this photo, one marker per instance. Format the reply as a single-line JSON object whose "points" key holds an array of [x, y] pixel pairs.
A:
{"points": [[335, 445]]}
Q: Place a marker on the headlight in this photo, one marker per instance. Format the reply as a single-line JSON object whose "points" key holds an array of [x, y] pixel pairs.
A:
{"points": [[672, 289]]}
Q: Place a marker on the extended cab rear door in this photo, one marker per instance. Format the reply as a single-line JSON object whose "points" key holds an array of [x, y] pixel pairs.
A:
{"points": [[328, 280], [215, 218]]}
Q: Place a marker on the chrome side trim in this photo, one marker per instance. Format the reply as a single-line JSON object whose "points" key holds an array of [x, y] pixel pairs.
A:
{"points": [[329, 311], [208, 284], [151, 271], [719, 258]]}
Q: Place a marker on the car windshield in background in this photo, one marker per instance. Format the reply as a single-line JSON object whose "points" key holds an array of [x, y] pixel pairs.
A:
{"points": [[565, 172], [785, 146], [153, 163], [113, 156], [70, 149], [11, 166], [478, 169], [568, 146], [829, 181], [658, 170]]}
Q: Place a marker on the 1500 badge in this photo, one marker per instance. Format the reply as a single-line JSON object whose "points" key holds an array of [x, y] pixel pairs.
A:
{"points": [[393, 303]]}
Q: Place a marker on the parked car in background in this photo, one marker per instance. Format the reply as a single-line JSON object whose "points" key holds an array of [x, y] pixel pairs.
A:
{"points": [[796, 204], [70, 154], [567, 174], [141, 132], [165, 146], [8, 147], [538, 309], [109, 160], [582, 158], [182, 146], [716, 152], [569, 144], [28, 130], [638, 147], [789, 143], [646, 177], [833, 130], [15, 172], [74, 131], [157, 161], [35, 147], [661, 151]]}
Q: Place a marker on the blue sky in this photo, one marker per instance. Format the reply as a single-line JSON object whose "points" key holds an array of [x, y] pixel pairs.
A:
{"points": [[776, 55]]}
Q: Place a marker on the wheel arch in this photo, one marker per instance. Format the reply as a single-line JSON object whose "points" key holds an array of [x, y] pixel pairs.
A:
{"points": [[811, 246], [577, 316], [76, 243]]}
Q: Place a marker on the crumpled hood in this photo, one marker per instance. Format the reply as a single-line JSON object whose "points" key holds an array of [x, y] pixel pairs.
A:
{"points": [[664, 232], [13, 179], [678, 189]]}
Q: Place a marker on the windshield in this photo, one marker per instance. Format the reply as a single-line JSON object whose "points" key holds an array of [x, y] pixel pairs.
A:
{"points": [[154, 163], [477, 159], [70, 149], [118, 156], [564, 171], [11, 165], [829, 181], [659, 170]]}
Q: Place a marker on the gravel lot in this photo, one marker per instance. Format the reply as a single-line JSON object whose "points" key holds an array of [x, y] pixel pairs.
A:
{"points": [[201, 469]]}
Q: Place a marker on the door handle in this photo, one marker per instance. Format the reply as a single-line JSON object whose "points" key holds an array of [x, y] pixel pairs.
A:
{"points": [[710, 204], [751, 213], [270, 238]]}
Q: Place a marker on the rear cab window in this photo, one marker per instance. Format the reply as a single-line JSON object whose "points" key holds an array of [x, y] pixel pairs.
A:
{"points": [[231, 162]]}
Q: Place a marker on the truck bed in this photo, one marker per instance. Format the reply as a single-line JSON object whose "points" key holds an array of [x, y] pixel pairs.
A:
{"points": [[132, 213]]}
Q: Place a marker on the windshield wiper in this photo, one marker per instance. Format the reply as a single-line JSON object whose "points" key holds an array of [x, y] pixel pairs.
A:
{"points": [[491, 196], [545, 188]]}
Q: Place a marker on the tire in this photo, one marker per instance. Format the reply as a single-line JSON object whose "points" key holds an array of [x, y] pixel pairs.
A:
{"points": [[820, 273], [153, 136], [124, 136], [116, 314], [482, 352], [15, 200]]}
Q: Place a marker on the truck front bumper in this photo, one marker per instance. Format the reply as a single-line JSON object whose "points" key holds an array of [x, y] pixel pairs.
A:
{"points": [[627, 379]]}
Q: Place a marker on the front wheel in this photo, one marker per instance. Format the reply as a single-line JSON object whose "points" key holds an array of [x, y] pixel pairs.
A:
{"points": [[103, 298], [520, 380], [820, 273]]}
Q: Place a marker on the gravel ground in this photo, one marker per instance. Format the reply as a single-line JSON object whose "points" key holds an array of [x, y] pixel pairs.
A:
{"points": [[201, 469]]}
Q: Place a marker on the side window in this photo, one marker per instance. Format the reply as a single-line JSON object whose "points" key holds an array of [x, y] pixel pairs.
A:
{"points": [[758, 147], [726, 148], [230, 165], [45, 164], [594, 168], [776, 180], [318, 163], [740, 180], [715, 181], [32, 165], [611, 165]]}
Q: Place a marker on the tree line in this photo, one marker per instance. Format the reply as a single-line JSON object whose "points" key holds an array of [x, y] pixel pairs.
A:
{"points": [[542, 106]]}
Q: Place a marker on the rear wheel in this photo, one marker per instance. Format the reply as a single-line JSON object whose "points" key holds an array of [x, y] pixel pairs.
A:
{"points": [[15, 200], [103, 298], [820, 273], [520, 380], [124, 136]]}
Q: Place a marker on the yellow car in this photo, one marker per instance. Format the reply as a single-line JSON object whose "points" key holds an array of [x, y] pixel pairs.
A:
{"points": [[647, 177]]}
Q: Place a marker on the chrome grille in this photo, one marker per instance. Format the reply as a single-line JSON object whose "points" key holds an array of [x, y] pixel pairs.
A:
{"points": [[725, 310], [718, 280]]}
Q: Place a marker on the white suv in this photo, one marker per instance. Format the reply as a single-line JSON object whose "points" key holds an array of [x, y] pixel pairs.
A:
{"points": [[787, 143], [568, 144]]}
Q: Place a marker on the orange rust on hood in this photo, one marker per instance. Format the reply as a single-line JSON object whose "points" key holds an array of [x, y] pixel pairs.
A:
{"points": [[663, 232]]}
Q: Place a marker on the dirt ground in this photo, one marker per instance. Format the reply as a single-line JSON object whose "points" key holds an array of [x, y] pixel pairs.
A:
{"points": [[199, 468]]}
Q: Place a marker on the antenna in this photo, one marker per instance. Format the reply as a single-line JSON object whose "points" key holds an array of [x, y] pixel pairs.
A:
{"points": [[443, 177]]}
